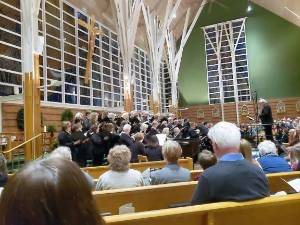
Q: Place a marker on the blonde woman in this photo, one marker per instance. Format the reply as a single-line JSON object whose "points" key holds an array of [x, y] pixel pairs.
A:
{"points": [[119, 175]]}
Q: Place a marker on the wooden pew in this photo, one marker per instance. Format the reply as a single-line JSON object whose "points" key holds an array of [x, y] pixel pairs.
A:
{"points": [[162, 196], [95, 172], [268, 211], [144, 198]]}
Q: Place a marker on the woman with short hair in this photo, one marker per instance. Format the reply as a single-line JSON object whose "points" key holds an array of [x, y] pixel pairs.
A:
{"points": [[48, 192], [119, 175], [172, 172]]}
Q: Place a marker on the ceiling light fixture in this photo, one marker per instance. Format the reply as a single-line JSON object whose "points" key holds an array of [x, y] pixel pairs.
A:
{"points": [[249, 7], [291, 11]]}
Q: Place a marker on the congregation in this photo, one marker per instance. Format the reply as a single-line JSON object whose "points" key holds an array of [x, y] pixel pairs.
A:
{"points": [[230, 171]]}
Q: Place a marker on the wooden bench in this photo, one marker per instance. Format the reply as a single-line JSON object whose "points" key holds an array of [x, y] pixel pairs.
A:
{"points": [[268, 211], [163, 196], [95, 172]]}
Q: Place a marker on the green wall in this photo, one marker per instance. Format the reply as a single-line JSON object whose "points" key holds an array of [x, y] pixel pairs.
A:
{"points": [[273, 46]]}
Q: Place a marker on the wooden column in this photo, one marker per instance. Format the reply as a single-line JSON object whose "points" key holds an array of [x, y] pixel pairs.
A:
{"points": [[32, 112], [28, 114], [37, 151], [128, 93]]}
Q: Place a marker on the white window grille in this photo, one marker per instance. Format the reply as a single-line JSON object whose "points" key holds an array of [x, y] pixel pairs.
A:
{"points": [[227, 63], [64, 59], [10, 45], [165, 84], [142, 82]]}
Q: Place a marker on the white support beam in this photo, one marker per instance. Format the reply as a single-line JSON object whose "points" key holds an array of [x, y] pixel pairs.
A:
{"points": [[174, 55], [127, 14]]}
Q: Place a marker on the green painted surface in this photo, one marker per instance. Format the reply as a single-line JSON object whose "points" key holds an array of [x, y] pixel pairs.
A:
{"points": [[273, 46]]}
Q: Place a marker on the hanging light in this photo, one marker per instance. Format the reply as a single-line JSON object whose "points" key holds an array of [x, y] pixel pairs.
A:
{"points": [[249, 7]]}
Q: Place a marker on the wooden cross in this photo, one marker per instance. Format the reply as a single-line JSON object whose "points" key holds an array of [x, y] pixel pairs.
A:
{"points": [[93, 32]]}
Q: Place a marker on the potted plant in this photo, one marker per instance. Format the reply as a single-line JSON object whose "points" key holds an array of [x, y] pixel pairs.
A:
{"points": [[67, 115], [51, 129]]}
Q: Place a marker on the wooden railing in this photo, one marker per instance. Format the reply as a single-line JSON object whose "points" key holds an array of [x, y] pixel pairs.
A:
{"points": [[12, 146]]}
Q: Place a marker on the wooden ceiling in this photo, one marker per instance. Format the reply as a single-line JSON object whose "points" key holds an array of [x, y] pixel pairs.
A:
{"points": [[102, 10]]}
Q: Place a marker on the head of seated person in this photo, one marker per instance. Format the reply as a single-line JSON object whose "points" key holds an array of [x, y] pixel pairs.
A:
{"points": [[269, 159], [63, 152], [206, 159], [119, 175], [295, 157], [225, 138], [139, 137], [233, 178], [172, 172], [3, 171], [47, 192]]}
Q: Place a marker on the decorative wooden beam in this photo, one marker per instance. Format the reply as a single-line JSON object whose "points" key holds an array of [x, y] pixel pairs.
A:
{"points": [[174, 56], [156, 31], [32, 46], [126, 14], [93, 32]]}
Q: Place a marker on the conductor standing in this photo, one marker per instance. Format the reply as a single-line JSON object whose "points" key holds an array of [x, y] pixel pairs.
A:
{"points": [[266, 118]]}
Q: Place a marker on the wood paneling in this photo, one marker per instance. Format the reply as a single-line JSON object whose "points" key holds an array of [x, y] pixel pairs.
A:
{"points": [[230, 111], [51, 116]]}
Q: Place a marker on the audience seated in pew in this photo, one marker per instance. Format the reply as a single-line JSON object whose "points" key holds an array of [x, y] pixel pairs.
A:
{"points": [[172, 172], [295, 157], [3, 171], [206, 159], [65, 153], [246, 150], [233, 178], [269, 159], [119, 175], [48, 192]]}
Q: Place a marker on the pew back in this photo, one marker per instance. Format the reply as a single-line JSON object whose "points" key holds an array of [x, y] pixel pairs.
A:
{"points": [[271, 210], [162, 196], [95, 172]]}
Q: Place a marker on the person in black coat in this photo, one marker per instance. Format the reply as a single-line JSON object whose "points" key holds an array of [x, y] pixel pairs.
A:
{"points": [[97, 147], [110, 138], [125, 137], [138, 147], [153, 150], [64, 137], [79, 150], [266, 118]]}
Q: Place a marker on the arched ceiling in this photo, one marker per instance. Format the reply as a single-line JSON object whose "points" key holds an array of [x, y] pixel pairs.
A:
{"points": [[288, 9]]}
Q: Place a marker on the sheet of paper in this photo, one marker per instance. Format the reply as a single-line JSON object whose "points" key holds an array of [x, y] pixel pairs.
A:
{"points": [[295, 184], [161, 138]]}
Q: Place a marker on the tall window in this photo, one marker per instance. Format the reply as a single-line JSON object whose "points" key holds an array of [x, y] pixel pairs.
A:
{"points": [[65, 57], [227, 64], [142, 81], [165, 84], [10, 48]]}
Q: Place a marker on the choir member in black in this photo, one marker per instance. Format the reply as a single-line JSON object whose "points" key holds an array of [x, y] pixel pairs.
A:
{"points": [[97, 147], [125, 138], [153, 150], [138, 147], [110, 137], [65, 137], [86, 123], [79, 153], [266, 118]]}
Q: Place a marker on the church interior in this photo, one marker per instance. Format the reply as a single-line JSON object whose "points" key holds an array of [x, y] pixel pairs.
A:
{"points": [[153, 112]]}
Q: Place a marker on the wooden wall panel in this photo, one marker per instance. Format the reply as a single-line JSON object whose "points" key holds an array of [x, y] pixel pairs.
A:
{"points": [[51, 116], [230, 111]]}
